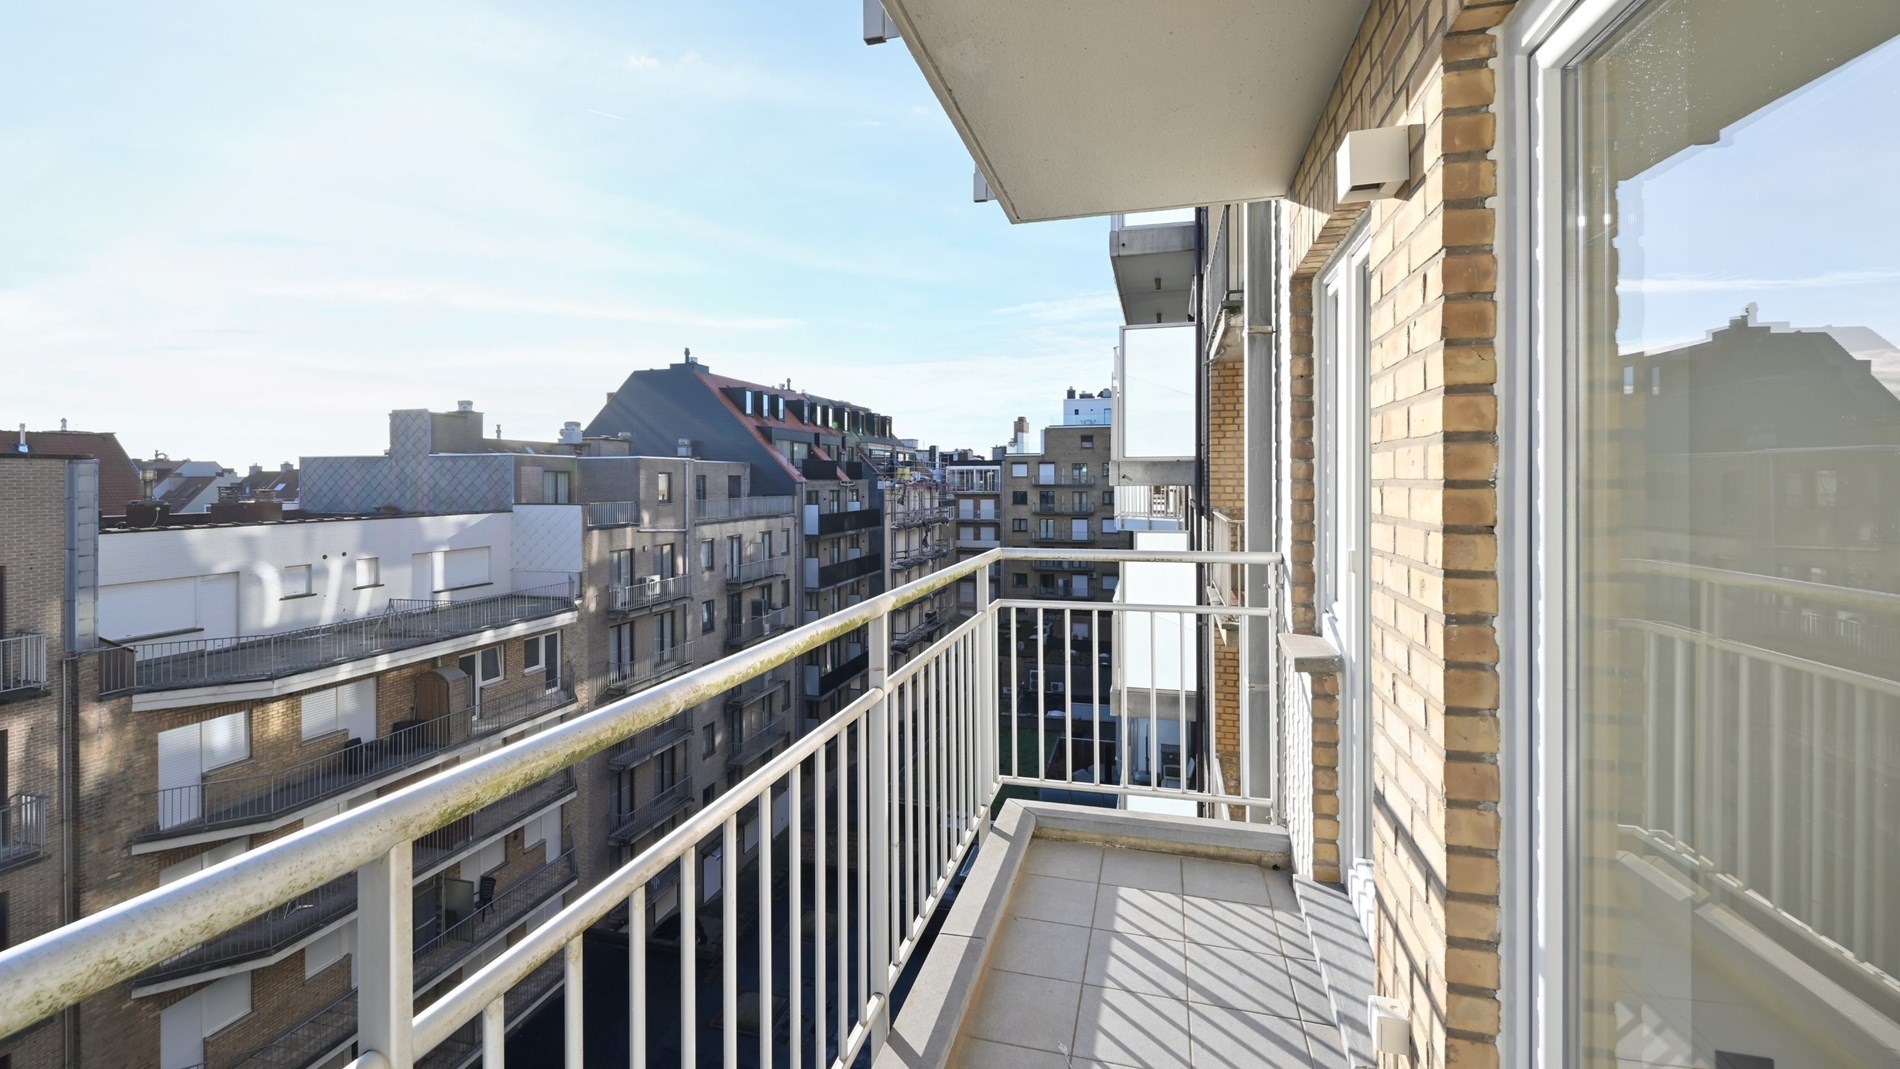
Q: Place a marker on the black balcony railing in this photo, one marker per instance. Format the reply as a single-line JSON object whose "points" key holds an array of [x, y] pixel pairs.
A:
{"points": [[839, 676], [846, 571], [1062, 538], [918, 557], [405, 623], [651, 742], [438, 950], [464, 1045], [629, 823], [1069, 479], [1086, 508], [922, 517], [743, 633], [757, 744], [242, 800], [22, 829], [754, 571]]}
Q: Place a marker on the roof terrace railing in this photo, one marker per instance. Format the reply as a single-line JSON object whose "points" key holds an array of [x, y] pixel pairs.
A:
{"points": [[407, 622], [904, 778]]}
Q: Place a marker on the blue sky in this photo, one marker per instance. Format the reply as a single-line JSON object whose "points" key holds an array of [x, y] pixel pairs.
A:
{"points": [[245, 232]]}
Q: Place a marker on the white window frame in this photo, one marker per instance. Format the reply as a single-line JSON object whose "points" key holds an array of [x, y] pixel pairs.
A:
{"points": [[369, 572], [1340, 306], [297, 581]]}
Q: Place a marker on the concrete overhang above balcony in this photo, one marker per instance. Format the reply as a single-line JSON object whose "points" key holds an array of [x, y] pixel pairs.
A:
{"points": [[1154, 258], [1078, 109]]}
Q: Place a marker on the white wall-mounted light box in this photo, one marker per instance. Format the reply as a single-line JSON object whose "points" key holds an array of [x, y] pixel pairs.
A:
{"points": [[1373, 164]]}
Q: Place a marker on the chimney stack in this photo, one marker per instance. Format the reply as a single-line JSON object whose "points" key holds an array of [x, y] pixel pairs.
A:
{"points": [[465, 406]]}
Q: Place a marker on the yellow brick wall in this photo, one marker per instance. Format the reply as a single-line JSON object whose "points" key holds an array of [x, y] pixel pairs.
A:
{"points": [[1433, 421]]}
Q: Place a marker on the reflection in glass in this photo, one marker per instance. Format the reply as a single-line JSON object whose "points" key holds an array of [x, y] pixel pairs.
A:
{"points": [[1737, 540]]}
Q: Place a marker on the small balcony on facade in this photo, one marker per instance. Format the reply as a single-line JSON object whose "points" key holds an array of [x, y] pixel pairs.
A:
{"points": [[743, 633], [22, 665], [746, 573], [820, 683], [229, 803], [932, 799], [268, 937], [650, 743], [1153, 508], [942, 512], [979, 542], [919, 557], [1154, 256], [844, 521], [1064, 537], [919, 635], [406, 623], [632, 674], [648, 592], [727, 510], [758, 743], [631, 822], [22, 830], [823, 576], [1066, 478], [1066, 508]]}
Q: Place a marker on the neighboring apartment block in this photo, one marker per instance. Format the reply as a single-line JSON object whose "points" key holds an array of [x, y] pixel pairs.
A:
{"points": [[49, 532], [825, 454], [1057, 495]]}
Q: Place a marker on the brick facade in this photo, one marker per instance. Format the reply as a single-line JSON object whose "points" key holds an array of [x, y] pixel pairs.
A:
{"points": [[1431, 666]]}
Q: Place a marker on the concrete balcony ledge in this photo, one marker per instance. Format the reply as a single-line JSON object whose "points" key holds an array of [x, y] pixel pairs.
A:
{"points": [[1042, 860], [1312, 655]]}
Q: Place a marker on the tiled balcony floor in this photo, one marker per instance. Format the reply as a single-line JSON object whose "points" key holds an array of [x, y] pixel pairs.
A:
{"points": [[1112, 958]]}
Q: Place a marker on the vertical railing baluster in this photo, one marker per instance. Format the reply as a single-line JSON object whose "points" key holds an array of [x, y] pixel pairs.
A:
{"points": [[1095, 694], [846, 921], [1154, 704], [1015, 695], [1181, 623], [795, 917], [689, 956], [729, 937], [821, 891], [637, 978], [765, 928], [868, 983], [874, 752], [1778, 861], [986, 688], [1042, 694], [1817, 821], [495, 1035], [385, 896], [573, 1005]]}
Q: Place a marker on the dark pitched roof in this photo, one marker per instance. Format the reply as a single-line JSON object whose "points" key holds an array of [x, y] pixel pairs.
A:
{"points": [[281, 484], [118, 476], [182, 493]]}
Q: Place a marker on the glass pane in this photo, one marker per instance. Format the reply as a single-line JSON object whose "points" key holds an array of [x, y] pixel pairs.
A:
{"points": [[1736, 651], [1157, 402]]}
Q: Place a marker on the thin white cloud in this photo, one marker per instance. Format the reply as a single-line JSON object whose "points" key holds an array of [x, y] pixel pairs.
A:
{"points": [[1066, 309], [407, 291], [1709, 284], [607, 114]]}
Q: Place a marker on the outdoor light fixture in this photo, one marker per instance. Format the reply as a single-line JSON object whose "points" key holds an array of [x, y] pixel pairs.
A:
{"points": [[1373, 164]]}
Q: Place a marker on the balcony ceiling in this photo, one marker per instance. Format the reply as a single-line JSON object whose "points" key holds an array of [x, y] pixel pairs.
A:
{"points": [[1089, 107]]}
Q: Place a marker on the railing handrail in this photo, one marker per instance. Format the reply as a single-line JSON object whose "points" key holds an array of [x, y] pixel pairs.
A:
{"points": [[50, 972], [744, 508]]}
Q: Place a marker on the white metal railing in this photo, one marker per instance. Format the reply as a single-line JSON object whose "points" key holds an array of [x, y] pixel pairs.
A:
{"points": [[884, 800], [648, 590], [22, 662]]}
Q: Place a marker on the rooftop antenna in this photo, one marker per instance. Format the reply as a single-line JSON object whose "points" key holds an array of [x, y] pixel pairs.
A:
{"points": [[497, 430], [689, 354]]}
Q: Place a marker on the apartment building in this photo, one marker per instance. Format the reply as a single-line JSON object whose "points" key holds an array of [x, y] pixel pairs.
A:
{"points": [[256, 677], [1058, 495], [919, 511], [824, 453], [49, 532], [977, 489]]}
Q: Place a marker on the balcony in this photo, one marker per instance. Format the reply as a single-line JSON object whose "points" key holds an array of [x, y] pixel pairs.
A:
{"points": [[727, 510], [648, 592], [407, 623], [1154, 256], [978, 543], [631, 822], [923, 517], [756, 571], [741, 634], [224, 804], [823, 684], [22, 664], [818, 524], [758, 743], [917, 558], [820, 577], [1070, 509], [1153, 508], [892, 795], [1063, 538], [1070, 479], [650, 743], [22, 830], [623, 676]]}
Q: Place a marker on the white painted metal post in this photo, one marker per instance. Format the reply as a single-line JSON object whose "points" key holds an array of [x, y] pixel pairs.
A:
{"points": [[385, 1007], [987, 702], [877, 836], [494, 1035], [573, 1004], [637, 981]]}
